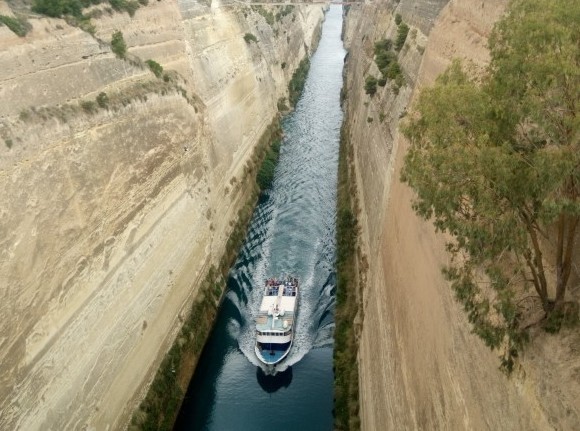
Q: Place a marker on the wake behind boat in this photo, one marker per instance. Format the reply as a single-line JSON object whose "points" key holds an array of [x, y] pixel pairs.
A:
{"points": [[275, 321]]}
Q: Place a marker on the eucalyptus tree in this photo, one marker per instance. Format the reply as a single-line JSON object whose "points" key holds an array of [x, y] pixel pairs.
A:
{"points": [[494, 160]]}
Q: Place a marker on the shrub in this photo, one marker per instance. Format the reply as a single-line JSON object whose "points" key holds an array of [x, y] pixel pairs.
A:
{"points": [[58, 8], [371, 85], [19, 26], [130, 6], [89, 106], [103, 100], [399, 80], [393, 70], [398, 19], [383, 45], [155, 67], [283, 65], [384, 58], [8, 143], [298, 80], [402, 32], [266, 173], [249, 37], [118, 44], [382, 82]]}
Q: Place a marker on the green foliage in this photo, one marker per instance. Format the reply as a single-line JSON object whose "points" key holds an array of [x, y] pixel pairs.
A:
{"points": [[346, 395], [118, 44], [497, 166], [283, 65], [268, 15], [249, 37], [8, 143], [129, 6], [402, 32], [59, 8], [384, 58], [268, 167], [398, 19], [18, 26], [286, 10], [296, 84], [393, 70], [102, 100], [383, 45], [89, 106], [370, 85], [386, 61], [155, 67]]}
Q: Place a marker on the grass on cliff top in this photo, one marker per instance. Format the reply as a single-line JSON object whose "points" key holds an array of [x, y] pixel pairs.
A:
{"points": [[346, 392], [60, 8]]}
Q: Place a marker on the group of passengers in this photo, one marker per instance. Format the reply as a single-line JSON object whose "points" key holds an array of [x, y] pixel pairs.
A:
{"points": [[290, 281], [289, 284]]}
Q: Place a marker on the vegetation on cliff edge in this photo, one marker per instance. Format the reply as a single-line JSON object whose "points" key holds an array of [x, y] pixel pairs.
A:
{"points": [[298, 80], [346, 390], [60, 8], [18, 26], [495, 162]]}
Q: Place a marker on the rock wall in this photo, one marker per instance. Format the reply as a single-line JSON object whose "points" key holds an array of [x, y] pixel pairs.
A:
{"points": [[111, 215], [419, 365]]}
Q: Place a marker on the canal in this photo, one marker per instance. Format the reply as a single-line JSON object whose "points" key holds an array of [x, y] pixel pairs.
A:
{"points": [[292, 232]]}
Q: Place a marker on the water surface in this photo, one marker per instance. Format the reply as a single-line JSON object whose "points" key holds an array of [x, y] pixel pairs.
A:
{"points": [[292, 232]]}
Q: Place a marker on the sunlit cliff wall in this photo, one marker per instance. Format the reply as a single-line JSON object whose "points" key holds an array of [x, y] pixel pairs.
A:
{"points": [[110, 217], [419, 365]]}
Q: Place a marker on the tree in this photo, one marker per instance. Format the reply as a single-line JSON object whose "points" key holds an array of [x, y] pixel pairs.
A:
{"points": [[495, 163], [371, 85]]}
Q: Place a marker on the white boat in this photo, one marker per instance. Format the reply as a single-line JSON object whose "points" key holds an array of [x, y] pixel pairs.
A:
{"points": [[275, 320]]}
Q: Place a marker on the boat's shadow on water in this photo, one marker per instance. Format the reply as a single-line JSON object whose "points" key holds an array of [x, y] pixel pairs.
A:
{"points": [[270, 383]]}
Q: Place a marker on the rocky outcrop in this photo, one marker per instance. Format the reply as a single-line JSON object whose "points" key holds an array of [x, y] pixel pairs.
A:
{"points": [[112, 212], [419, 365]]}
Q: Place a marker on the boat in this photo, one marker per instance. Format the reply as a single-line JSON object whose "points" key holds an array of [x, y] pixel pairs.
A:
{"points": [[275, 320]]}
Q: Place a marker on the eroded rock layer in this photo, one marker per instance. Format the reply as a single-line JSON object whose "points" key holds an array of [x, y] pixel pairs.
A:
{"points": [[112, 212]]}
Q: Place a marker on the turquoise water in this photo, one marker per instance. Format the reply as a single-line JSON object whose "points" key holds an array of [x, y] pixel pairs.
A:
{"points": [[292, 232]]}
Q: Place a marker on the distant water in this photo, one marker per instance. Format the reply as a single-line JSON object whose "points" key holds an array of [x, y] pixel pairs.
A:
{"points": [[292, 232]]}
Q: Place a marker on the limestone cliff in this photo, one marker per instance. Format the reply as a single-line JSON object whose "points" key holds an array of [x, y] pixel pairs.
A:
{"points": [[113, 211], [419, 365]]}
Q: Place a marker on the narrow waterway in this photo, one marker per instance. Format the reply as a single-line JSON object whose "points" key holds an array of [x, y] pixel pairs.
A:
{"points": [[292, 232]]}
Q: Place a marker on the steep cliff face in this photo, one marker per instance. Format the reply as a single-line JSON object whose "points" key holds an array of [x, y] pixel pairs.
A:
{"points": [[112, 214], [419, 365]]}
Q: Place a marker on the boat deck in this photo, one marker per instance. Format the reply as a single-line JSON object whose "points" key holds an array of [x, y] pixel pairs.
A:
{"points": [[268, 323]]}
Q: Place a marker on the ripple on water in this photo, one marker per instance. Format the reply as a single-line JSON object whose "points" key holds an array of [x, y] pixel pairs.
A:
{"points": [[292, 232]]}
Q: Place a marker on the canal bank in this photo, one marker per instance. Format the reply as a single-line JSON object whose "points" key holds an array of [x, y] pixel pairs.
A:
{"points": [[292, 232]]}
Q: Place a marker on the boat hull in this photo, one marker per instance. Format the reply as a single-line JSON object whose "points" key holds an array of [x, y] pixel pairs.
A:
{"points": [[272, 354]]}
